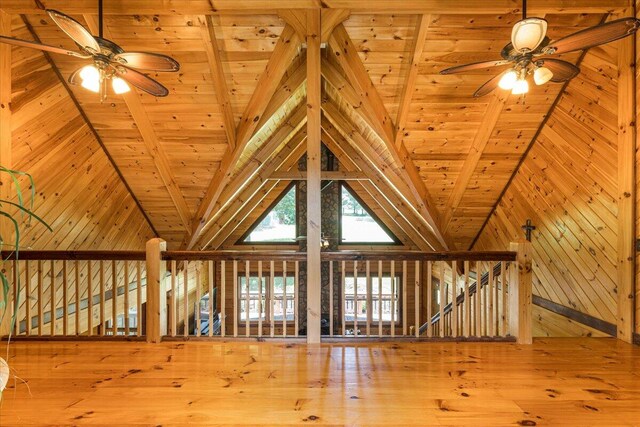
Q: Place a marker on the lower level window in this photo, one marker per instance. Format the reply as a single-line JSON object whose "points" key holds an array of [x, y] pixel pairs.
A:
{"points": [[384, 299], [256, 302]]}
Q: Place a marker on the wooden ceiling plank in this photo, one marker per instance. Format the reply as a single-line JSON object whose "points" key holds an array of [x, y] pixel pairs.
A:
{"points": [[212, 50], [219, 7], [347, 56], [419, 40], [154, 149], [479, 143], [285, 50]]}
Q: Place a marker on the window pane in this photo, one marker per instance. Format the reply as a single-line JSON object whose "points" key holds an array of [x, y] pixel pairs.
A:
{"points": [[280, 223], [358, 226], [380, 304]]}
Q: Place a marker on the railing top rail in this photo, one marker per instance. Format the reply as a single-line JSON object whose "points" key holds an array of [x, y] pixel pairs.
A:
{"points": [[234, 256], [262, 255], [28, 255], [418, 256]]}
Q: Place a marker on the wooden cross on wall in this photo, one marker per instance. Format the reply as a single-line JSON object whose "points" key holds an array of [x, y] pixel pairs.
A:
{"points": [[528, 227]]}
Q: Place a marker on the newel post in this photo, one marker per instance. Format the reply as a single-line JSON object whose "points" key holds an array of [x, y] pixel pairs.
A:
{"points": [[156, 291], [520, 293]]}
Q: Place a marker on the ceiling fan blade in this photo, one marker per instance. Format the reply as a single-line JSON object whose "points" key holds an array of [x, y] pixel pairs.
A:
{"points": [[594, 36], [141, 81], [148, 61], [474, 66], [75, 30], [40, 46], [562, 70], [489, 86]]}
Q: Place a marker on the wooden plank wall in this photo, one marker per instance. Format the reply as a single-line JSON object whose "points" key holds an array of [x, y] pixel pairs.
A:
{"points": [[79, 192], [567, 186]]}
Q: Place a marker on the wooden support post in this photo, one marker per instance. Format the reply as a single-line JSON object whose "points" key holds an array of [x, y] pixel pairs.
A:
{"points": [[313, 176], [520, 293], [156, 291], [5, 149], [626, 186]]}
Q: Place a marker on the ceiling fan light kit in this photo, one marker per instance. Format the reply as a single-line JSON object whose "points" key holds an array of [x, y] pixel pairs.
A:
{"points": [[529, 50]]}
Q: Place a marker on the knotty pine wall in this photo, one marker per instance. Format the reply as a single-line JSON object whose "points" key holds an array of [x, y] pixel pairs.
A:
{"points": [[79, 192], [567, 186]]}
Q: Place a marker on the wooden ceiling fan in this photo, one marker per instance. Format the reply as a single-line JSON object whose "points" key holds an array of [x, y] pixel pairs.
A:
{"points": [[527, 53], [110, 61]]}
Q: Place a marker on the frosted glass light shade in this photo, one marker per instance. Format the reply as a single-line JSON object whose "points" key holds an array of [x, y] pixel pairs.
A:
{"points": [[89, 72], [508, 80], [542, 75], [527, 34], [92, 85], [119, 86], [521, 87]]}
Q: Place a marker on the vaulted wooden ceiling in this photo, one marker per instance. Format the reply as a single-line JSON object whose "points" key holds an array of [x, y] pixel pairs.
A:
{"points": [[199, 161]]}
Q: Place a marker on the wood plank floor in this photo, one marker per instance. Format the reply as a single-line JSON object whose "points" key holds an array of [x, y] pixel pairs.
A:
{"points": [[585, 381]]}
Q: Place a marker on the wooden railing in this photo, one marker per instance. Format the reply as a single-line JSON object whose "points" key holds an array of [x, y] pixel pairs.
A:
{"points": [[77, 293], [208, 293], [175, 294], [406, 294]]}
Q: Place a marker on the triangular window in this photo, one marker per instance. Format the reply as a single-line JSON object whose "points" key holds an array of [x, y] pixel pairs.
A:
{"points": [[358, 225], [278, 225]]}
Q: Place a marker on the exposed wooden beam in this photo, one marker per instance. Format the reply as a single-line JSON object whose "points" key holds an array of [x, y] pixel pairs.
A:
{"points": [[626, 185], [314, 190], [296, 18], [347, 56], [219, 80], [398, 178], [325, 176], [151, 142], [293, 82], [338, 143], [479, 143], [419, 39], [330, 19], [6, 229], [283, 53], [214, 7]]}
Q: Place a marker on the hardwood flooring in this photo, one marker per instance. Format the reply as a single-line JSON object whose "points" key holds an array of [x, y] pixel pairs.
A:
{"points": [[565, 381]]}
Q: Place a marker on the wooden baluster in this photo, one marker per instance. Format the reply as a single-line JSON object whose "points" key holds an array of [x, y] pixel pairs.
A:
{"points": [[490, 291], [114, 297], [247, 326], [284, 298], [52, 303], [138, 298], [16, 297], [102, 300], [173, 299], [443, 299], [196, 310], [343, 310], [223, 302], [379, 298], [211, 307], [393, 298], [185, 299], [126, 298], [27, 300], [369, 310], [503, 294], [295, 296], [355, 298], [416, 294], [236, 300], [260, 296], [467, 303], [454, 298], [478, 301], [330, 298], [272, 289], [65, 312], [429, 298], [40, 310], [89, 299], [404, 299]]}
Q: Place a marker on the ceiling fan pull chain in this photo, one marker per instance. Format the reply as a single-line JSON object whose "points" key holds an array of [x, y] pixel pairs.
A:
{"points": [[524, 9]]}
